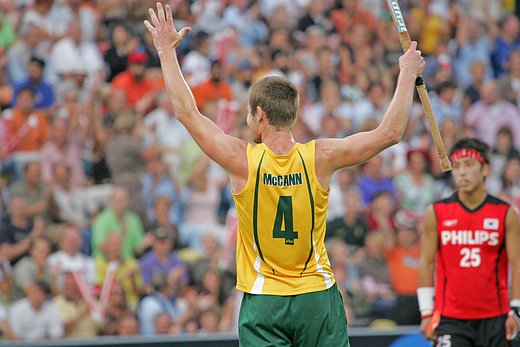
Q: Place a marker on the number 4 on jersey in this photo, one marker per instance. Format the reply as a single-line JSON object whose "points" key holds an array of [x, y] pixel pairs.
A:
{"points": [[284, 217]]}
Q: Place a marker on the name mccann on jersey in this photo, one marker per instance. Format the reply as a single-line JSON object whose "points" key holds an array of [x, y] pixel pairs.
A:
{"points": [[469, 237], [294, 179]]}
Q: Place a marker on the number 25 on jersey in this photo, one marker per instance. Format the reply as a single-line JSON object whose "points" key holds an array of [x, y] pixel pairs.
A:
{"points": [[470, 257]]}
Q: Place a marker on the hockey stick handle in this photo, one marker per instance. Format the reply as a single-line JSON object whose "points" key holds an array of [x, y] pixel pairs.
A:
{"points": [[405, 40]]}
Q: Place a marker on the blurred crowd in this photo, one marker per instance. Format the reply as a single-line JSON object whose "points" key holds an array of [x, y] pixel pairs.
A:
{"points": [[113, 222]]}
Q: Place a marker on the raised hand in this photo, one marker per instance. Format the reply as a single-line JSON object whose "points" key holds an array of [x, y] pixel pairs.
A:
{"points": [[162, 28], [412, 60]]}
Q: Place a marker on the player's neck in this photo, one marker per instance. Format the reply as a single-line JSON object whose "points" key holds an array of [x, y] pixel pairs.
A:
{"points": [[474, 198], [279, 141]]}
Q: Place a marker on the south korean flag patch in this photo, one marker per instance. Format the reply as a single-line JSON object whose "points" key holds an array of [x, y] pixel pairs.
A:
{"points": [[491, 224]]}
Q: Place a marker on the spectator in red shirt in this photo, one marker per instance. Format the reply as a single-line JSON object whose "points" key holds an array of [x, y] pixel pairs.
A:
{"points": [[28, 131], [215, 88], [134, 82]]}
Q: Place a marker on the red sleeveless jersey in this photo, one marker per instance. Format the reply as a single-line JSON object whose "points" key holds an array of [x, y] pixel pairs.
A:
{"points": [[472, 267]]}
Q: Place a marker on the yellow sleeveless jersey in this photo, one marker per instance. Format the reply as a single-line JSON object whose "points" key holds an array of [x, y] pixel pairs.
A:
{"points": [[281, 224]]}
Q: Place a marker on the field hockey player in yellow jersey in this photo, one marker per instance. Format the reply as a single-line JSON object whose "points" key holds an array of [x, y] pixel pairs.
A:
{"points": [[281, 191]]}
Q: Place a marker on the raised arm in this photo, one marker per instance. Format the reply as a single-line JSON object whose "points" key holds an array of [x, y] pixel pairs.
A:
{"points": [[333, 154], [425, 292], [227, 151]]}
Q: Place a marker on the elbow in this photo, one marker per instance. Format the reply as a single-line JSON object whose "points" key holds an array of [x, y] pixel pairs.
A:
{"points": [[395, 139], [392, 137], [389, 135]]}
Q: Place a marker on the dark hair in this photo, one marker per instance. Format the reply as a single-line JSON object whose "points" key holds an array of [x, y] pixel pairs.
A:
{"points": [[26, 89], [37, 60], [506, 183], [445, 85], [159, 281], [505, 130], [278, 98], [44, 287], [30, 163], [472, 143]]}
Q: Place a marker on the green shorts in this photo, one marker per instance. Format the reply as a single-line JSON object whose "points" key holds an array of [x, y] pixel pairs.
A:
{"points": [[311, 319]]}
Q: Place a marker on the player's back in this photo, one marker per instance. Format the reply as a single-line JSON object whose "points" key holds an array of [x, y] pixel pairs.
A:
{"points": [[281, 228]]}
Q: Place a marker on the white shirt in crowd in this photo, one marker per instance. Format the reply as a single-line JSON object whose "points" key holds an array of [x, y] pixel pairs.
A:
{"points": [[67, 263], [28, 324]]}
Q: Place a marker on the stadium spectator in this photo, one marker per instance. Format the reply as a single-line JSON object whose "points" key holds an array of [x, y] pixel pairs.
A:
{"points": [[74, 311], [39, 16], [64, 146], [370, 107], [122, 43], [164, 130], [380, 213], [509, 82], [163, 323], [471, 44], [328, 103], [139, 89], [373, 180], [214, 88], [117, 307], [491, 112], [116, 218], [32, 268], [112, 265], [35, 317], [209, 319], [472, 91], [28, 44], [351, 227], [19, 231], [68, 259], [402, 256], [162, 298], [415, 186], [127, 325], [158, 183], [43, 91], [446, 102], [70, 55], [162, 208], [350, 13], [507, 185], [375, 277], [37, 194], [75, 205], [503, 150], [316, 13], [196, 65], [28, 130], [161, 260], [505, 42]]}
